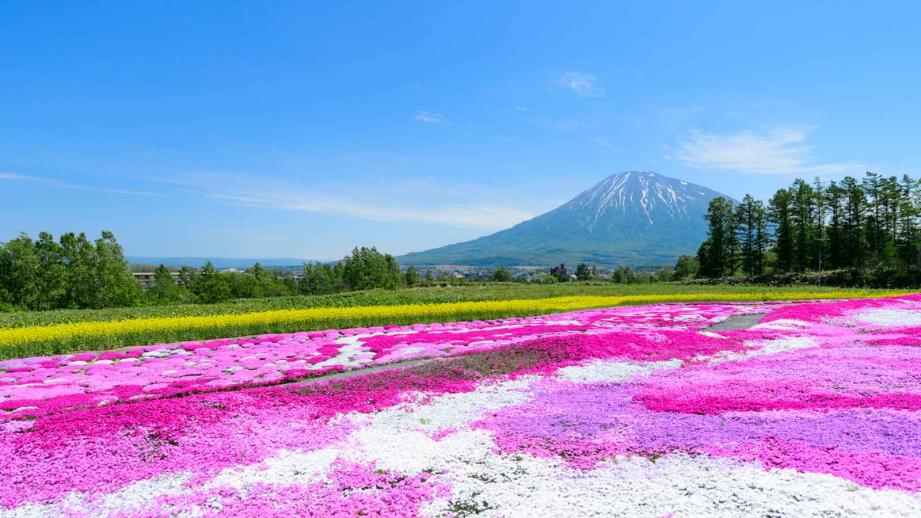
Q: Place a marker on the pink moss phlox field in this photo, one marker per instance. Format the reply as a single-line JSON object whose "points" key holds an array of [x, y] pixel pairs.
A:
{"points": [[34, 386], [851, 410], [827, 391]]}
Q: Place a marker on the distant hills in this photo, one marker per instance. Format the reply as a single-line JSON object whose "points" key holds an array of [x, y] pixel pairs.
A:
{"points": [[219, 262], [630, 218]]}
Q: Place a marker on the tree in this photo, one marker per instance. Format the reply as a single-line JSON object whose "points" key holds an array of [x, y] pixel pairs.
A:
{"points": [[116, 285], [718, 255], [265, 283], [501, 275], [819, 212], [210, 286], [393, 278], [802, 219], [79, 258], [366, 268], [319, 279], [52, 274], [19, 271], [583, 272], [751, 231], [854, 226], [412, 276], [890, 192], [686, 268], [780, 215], [872, 189], [907, 224], [164, 289], [560, 273], [623, 275], [835, 199]]}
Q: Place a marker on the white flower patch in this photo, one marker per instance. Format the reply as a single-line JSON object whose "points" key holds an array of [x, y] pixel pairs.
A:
{"points": [[133, 498], [889, 317], [783, 324], [764, 347], [400, 438], [562, 322], [348, 357], [525, 486], [285, 467], [597, 371], [786, 344]]}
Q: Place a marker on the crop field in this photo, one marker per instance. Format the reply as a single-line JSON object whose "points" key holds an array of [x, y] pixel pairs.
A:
{"points": [[54, 332], [637, 410]]}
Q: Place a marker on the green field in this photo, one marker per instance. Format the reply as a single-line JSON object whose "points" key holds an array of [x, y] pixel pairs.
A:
{"points": [[427, 295]]}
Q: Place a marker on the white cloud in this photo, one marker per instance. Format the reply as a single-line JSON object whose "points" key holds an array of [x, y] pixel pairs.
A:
{"points": [[51, 182], [582, 84], [776, 151], [428, 117]]}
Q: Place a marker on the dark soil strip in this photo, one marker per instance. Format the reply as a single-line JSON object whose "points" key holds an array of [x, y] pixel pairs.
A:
{"points": [[736, 322], [362, 371]]}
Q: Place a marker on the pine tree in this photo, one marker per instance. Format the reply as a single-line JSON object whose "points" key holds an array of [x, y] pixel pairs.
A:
{"points": [[835, 199], [907, 225], [779, 212], [751, 232], [718, 254], [803, 216], [855, 231]]}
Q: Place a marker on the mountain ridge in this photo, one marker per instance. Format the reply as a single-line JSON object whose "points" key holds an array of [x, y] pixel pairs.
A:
{"points": [[632, 218]]}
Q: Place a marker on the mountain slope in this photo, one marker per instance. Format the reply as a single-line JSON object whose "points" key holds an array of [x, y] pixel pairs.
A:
{"points": [[630, 218]]}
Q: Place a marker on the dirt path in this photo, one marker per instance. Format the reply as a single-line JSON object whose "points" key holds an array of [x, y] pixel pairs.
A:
{"points": [[736, 322]]}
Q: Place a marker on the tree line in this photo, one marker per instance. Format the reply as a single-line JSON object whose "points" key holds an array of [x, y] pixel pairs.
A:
{"points": [[75, 272], [852, 231], [72, 272]]}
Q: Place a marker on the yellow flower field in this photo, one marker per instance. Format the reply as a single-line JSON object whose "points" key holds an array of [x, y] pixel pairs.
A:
{"points": [[58, 338]]}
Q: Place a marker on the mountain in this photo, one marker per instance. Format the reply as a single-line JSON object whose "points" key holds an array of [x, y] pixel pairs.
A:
{"points": [[630, 218]]}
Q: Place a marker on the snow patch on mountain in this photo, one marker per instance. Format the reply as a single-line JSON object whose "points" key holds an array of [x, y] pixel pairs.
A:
{"points": [[655, 196]]}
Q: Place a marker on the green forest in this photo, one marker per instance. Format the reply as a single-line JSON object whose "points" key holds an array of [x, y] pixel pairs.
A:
{"points": [[850, 232], [75, 272]]}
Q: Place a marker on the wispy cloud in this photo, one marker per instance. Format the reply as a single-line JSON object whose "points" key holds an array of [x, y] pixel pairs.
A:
{"points": [[481, 216], [57, 184], [583, 85], [776, 151], [398, 201], [428, 117], [11, 176]]}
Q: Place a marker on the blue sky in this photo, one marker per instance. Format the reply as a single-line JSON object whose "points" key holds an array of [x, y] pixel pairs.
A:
{"points": [[299, 129]]}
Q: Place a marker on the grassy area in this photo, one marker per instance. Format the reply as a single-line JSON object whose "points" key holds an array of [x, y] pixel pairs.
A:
{"points": [[34, 333]]}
